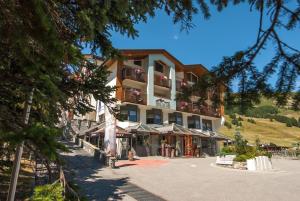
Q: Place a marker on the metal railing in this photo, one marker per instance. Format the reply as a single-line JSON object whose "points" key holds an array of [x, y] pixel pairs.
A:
{"points": [[163, 104]]}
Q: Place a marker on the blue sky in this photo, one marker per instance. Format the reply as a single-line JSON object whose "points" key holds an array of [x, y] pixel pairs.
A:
{"points": [[223, 34]]}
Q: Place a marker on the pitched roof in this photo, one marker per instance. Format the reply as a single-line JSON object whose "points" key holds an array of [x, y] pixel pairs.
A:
{"points": [[145, 52], [142, 128], [175, 129]]}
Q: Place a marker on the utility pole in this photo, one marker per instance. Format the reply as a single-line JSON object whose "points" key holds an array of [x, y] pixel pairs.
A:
{"points": [[18, 155]]}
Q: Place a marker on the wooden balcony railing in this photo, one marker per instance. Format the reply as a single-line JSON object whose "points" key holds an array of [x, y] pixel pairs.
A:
{"points": [[132, 73], [133, 95], [209, 111], [162, 81], [181, 85], [197, 109]]}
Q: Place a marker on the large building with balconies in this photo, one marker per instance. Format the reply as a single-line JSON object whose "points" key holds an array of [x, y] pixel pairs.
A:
{"points": [[149, 83]]}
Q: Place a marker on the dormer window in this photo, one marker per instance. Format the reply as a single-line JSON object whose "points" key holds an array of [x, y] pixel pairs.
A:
{"points": [[191, 77]]}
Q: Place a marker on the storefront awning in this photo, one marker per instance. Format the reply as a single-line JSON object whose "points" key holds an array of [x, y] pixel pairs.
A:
{"points": [[121, 132], [92, 129], [199, 133]]}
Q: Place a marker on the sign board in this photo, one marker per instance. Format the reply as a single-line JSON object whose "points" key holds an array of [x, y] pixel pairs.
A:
{"points": [[225, 160]]}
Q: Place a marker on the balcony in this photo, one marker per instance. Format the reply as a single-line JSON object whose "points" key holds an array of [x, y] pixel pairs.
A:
{"points": [[133, 73], [188, 107], [197, 109], [133, 95], [210, 111], [181, 85], [162, 80], [163, 103]]}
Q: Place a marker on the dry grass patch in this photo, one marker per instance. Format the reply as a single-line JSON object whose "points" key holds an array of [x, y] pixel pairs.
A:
{"points": [[266, 130]]}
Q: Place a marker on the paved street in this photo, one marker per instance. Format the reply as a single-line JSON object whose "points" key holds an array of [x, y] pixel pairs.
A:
{"points": [[155, 178], [99, 183], [195, 179]]}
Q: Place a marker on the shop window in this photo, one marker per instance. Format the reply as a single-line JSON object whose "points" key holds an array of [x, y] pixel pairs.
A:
{"points": [[194, 122], [154, 116], [175, 118], [207, 124]]}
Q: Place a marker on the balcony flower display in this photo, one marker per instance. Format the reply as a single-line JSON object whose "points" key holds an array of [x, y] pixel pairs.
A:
{"points": [[183, 83], [163, 77], [138, 71], [135, 92], [183, 105]]}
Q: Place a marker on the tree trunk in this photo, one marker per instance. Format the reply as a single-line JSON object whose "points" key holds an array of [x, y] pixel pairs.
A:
{"points": [[19, 151]]}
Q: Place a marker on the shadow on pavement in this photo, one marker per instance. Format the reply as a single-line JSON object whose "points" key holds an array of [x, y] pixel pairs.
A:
{"points": [[97, 182]]}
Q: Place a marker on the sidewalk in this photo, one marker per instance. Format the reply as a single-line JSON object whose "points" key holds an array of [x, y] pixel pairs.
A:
{"points": [[100, 183]]}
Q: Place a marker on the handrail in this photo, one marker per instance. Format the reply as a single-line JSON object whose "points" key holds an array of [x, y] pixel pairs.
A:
{"points": [[65, 185]]}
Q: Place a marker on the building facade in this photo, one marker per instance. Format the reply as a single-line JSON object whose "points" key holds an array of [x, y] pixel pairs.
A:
{"points": [[149, 85]]}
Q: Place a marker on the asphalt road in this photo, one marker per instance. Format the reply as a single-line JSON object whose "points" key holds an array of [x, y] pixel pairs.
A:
{"points": [[194, 179]]}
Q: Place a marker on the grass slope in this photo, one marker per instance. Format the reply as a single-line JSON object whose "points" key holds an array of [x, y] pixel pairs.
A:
{"points": [[266, 130]]}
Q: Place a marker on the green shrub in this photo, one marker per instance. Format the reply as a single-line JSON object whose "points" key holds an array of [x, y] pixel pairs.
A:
{"points": [[289, 124], [228, 125], [240, 144], [48, 192], [232, 116], [262, 111], [228, 150], [240, 119], [242, 158], [235, 122], [294, 121], [251, 121]]}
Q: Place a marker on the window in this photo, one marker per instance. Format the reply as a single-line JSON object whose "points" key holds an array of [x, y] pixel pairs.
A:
{"points": [[207, 125], [137, 62], [129, 113], [154, 116], [191, 77], [175, 118], [101, 118], [159, 67], [194, 122]]}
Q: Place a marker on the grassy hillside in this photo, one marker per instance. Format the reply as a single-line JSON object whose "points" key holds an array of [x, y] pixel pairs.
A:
{"points": [[267, 131]]}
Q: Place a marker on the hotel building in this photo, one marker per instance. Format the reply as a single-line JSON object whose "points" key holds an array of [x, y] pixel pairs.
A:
{"points": [[149, 82]]}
